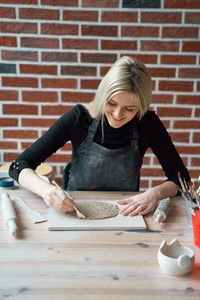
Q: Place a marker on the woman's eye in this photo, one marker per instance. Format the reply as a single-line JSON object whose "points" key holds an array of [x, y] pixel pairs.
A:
{"points": [[129, 109], [132, 109], [111, 103], [125, 108]]}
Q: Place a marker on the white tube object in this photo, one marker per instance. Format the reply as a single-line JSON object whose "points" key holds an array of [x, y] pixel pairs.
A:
{"points": [[9, 213], [162, 210]]}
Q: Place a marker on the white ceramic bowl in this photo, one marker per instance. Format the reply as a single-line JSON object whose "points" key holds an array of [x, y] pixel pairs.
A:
{"points": [[175, 259]]}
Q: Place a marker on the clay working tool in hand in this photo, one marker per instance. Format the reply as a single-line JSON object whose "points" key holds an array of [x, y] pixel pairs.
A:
{"points": [[79, 214], [32, 214]]}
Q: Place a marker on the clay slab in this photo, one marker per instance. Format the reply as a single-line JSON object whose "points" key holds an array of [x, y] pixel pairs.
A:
{"points": [[62, 221]]}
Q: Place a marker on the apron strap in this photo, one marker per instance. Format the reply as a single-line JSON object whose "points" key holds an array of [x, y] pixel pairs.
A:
{"points": [[134, 135], [92, 130]]}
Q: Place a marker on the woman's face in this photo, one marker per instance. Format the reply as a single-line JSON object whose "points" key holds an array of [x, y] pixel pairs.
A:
{"points": [[121, 108]]}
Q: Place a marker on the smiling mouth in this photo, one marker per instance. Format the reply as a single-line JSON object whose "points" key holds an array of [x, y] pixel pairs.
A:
{"points": [[116, 120]]}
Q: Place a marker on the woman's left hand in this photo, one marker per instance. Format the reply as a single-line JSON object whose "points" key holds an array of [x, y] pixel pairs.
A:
{"points": [[140, 204]]}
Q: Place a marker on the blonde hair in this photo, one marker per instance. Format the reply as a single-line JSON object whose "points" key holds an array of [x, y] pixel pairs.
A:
{"points": [[126, 75]]}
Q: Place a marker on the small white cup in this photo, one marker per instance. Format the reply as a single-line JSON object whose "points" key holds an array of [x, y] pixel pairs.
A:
{"points": [[175, 259]]}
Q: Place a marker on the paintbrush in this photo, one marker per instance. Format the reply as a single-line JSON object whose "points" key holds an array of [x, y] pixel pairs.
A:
{"points": [[79, 214], [184, 192], [181, 182]]}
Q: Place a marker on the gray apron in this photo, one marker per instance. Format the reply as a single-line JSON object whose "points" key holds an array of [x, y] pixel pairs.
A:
{"points": [[96, 168]]}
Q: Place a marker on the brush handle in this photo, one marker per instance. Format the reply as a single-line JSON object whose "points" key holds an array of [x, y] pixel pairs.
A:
{"points": [[68, 195], [79, 214], [181, 181]]}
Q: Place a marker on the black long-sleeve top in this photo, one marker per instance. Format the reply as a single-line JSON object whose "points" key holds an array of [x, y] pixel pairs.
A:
{"points": [[73, 126]]}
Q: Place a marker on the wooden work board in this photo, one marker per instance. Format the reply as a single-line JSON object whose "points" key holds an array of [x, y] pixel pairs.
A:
{"points": [[63, 221]]}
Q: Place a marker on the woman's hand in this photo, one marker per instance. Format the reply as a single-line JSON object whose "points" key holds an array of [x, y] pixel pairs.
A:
{"points": [[58, 199], [51, 194], [140, 204], [144, 203]]}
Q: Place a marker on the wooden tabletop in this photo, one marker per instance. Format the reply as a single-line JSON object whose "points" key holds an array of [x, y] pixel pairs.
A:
{"points": [[98, 265]]}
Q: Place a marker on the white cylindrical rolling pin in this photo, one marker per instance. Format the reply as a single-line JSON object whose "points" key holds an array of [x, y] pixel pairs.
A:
{"points": [[162, 210], [9, 213]]}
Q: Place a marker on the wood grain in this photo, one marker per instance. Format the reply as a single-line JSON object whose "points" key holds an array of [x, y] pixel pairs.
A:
{"points": [[42, 264]]}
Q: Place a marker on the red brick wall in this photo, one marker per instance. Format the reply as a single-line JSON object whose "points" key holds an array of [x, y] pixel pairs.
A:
{"points": [[54, 53]]}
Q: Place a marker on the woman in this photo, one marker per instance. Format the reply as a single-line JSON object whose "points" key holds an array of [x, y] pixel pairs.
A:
{"points": [[109, 138]]}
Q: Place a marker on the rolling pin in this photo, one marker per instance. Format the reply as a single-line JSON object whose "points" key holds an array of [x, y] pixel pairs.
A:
{"points": [[162, 210], [9, 213]]}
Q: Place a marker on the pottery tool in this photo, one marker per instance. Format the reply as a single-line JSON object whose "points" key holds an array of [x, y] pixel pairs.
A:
{"points": [[189, 194], [32, 214], [198, 190], [9, 213], [181, 182], [184, 192], [162, 210], [79, 214]]}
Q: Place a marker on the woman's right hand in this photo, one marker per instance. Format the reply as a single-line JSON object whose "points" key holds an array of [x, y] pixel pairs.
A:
{"points": [[51, 194], [58, 199]]}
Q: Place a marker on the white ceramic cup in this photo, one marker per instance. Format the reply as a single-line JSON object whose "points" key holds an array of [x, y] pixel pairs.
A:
{"points": [[175, 259]]}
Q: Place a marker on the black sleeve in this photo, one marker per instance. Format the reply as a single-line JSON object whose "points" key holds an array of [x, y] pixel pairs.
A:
{"points": [[164, 149], [55, 138]]}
